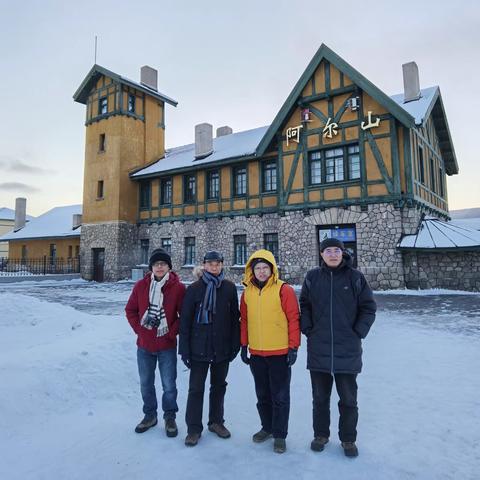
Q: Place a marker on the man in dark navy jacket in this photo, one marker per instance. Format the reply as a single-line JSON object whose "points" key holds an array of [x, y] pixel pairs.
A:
{"points": [[209, 340], [337, 311]]}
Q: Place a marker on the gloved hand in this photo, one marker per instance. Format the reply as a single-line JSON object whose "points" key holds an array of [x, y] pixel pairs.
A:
{"points": [[244, 355], [186, 361], [291, 356]]}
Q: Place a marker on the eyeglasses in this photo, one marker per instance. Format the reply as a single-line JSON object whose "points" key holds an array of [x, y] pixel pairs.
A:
{"points": [[160, 264], [333, 251]]}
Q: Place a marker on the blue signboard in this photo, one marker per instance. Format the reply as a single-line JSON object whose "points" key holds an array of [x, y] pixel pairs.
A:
{"points": [[344, 234]]}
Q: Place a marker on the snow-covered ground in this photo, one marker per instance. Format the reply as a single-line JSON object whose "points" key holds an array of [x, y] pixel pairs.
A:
{"points": [[69, 396]]}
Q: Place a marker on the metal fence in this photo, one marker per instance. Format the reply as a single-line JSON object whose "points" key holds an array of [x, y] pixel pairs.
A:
{"points": [[38, 266]]}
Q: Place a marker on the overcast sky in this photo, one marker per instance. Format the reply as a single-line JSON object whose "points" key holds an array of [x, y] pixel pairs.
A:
{"points": [[226, 63]]}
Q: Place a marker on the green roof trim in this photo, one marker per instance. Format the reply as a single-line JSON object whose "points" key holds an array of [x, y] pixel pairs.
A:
{"points": [[96, 71], [324, 53]]}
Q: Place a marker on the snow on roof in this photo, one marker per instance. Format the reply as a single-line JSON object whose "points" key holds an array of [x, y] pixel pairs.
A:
{"points": [[239, 144], [9, 214], [418, 109], [436, 234], [57, 222], [473, 223]]}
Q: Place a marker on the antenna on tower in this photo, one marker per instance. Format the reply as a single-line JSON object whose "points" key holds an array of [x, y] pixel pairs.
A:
{"points": [[95, 50]]}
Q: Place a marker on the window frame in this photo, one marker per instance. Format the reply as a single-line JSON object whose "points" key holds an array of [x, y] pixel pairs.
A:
{"points": [[145, 195], [190, 198], [131, 102], [100, 190], [166, 244], [103, 105], [235, 174], [210, 174], [163, 182], [268, 243], [189, 250], [236, 254], [269, 166]]}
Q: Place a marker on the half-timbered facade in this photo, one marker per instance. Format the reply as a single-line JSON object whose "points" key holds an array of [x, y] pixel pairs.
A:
{"points": [[341, 158]]}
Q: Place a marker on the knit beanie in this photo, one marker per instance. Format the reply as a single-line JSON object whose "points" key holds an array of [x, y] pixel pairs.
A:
{"points": [[332, 242], [256, 261], [160, 255]]}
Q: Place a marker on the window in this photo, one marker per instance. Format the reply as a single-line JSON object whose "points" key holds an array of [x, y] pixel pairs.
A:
{"points": [[77, 250], [240, 249], [353, 152], [166, 191], [24, 252], [167, 245], [131, 103], [144, 247], [270, 242], [421, 166], [101, 143], [335, 165], [189, 250], [189, 189], [145, 195], [100, 189], [334, 171], [102, 105], [269, 176], [239, 181], [70, 251], [53, 251], [213, 185], [433, 186]]}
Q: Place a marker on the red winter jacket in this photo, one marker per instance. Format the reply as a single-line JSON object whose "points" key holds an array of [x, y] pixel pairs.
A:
{"points": [[138, 303]]}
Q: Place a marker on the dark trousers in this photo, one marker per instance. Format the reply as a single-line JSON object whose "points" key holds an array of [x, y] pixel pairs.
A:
{"points": [[346, 385], [196, 389], [272, 386]]}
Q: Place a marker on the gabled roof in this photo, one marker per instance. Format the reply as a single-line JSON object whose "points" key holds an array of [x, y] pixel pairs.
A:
{"points": [[434, 234], [325, 53], [97, 71], [9, 214], [235, 145], [430, 103], [55, 223]]}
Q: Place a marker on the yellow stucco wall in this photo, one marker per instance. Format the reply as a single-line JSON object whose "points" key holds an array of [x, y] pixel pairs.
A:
{"points": [[40, 248]]}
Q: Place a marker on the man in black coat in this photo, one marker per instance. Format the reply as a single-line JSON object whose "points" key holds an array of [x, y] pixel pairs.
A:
{"points": [[337, 311], [209, 340]]}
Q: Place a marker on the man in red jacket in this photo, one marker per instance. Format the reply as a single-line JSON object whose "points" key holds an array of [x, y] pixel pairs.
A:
{"points": [[153, 312]]}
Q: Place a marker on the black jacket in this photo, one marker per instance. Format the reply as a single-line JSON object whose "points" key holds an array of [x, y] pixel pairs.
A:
{"points": [[337, 311], [218, 340]]}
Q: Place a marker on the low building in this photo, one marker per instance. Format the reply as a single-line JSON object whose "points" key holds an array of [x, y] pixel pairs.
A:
{"points": [[53, 235], [7, 224]]}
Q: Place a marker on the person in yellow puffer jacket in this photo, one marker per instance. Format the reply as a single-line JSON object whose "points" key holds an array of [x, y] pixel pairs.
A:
{"points": [[270, 329]]}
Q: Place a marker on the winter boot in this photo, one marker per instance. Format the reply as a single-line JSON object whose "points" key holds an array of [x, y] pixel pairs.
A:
{"points": [[279, 445], [350, 449], [171, 427], [192, 439], [219, 429], [145, 424], [318, 444], [261, 436]]}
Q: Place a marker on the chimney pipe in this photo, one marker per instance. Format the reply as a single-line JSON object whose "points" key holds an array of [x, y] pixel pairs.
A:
{"points": [[20, 213], [411, 82], [76, 220], [222, 131], [149, 77], [203, 140]]}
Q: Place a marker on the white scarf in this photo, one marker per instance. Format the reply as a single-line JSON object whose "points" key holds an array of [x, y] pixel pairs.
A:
{"points": [[155, 309]]}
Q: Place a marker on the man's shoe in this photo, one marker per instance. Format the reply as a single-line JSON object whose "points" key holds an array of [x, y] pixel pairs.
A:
{"points": [[261, 436], [171, 427], [145, 424], [318, 444], [220, 430], [192, 439], [279, 445], [350, 449]]}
